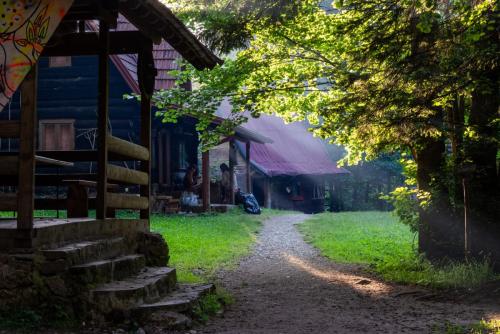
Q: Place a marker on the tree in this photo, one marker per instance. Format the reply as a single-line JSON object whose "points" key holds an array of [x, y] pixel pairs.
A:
{"points": [[380, 76]]}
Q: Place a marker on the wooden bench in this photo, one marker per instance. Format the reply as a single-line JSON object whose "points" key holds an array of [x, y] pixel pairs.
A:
{"points": [[166, 204], [9, 167], [78, 197]]}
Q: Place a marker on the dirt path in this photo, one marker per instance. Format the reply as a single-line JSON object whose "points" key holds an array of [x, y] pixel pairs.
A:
{"points": [[285, 286]]}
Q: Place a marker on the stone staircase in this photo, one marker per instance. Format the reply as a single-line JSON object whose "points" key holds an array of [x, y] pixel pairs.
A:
{"points": [[117, 278]]}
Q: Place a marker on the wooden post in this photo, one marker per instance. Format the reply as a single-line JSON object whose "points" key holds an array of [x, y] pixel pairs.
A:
{"points": [[232, 164], [146, 75], [267, 193], [206, 180], [248, 176], [161, 158], [27, 143], [102, 121]]}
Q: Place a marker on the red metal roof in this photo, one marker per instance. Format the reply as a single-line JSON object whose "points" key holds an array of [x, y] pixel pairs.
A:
{"points": [[164, 55], [294, 151]]}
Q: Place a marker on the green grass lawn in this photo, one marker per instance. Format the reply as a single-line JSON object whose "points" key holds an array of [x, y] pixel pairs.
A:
{"points": [[199, 244], [380, 241], [202, 244]]}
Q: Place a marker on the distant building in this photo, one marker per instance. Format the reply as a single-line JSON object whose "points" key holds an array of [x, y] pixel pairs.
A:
{"points": [[292, 173]]}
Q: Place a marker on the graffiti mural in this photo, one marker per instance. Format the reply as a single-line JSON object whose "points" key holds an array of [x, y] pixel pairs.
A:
{"points": [[25, 28]]}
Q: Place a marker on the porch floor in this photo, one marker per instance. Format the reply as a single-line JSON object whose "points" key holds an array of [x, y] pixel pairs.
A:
{"points": [[51, 232], [40, 223]]}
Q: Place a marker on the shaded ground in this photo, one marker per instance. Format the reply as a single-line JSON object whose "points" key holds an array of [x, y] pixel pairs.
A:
{"points": [[286, 286]]}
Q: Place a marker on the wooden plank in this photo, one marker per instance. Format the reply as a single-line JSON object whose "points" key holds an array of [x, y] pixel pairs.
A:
{"points": [[161, 159], [26, 188], [102, 120], [9, 129], [45, 179], [8, 202], [52, 162], [9, 165], [126, 148], [248, 176], [78, 155], [232, 164], [268, 188], [87, 44], [88, 184], [205, 189], [121, 201], [127, 176], [146, 74]]}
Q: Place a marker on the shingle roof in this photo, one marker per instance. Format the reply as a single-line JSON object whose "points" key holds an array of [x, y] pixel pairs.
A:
{"points": [[164, 55], [294, 151]]}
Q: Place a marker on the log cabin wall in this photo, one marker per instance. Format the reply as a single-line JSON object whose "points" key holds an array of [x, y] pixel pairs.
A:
{"points": [[67, 97]]}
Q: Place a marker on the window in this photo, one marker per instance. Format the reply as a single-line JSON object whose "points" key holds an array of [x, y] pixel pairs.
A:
{"points": [[57, 135], [59, 61]]}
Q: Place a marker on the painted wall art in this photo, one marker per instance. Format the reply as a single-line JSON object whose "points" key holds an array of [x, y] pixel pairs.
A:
{"points": [[25, 28]]}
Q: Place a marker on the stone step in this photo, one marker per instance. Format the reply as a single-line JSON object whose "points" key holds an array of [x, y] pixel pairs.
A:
{"points": [[183, 299], [106, 271], [149, 286], [87, 251]]}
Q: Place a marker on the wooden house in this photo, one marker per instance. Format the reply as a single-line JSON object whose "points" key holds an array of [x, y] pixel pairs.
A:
{"points": [[91, 267], [292, 172], [67, 113]]}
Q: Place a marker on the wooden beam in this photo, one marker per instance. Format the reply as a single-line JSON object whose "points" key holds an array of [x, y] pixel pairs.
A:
{"points": [[126, 148], [102, 121], [232, 164], [127, 176], [9, 129], [206, 180], [88, 44], [93, 10], [46, 179], [247, 159], [132, 202], [146, 73], [26, 187], [268, 193], [77, 156]]}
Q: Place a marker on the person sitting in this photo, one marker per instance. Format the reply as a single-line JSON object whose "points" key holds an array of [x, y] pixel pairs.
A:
{"points": [[191, 179]]}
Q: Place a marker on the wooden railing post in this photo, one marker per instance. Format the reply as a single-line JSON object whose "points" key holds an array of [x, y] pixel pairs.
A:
{"points": [[206, 180], [146, 74], [27, 143], [102, 121], [248, 170], [232, 165]]}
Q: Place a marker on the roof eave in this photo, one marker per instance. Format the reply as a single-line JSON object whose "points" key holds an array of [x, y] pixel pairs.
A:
{"points": [[158, 21]]}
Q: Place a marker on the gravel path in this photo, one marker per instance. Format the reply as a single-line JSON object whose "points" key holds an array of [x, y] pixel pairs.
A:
{"points": [[285, 286]]}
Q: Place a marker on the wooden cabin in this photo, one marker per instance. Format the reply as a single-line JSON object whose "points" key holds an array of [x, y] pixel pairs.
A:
{"points": [[67, 116], [292, 172], [92, 266]]}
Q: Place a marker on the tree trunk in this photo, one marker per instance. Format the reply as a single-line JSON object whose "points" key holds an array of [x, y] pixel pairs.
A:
{"points": [[481, 149], [483, 182], [440, 233]]}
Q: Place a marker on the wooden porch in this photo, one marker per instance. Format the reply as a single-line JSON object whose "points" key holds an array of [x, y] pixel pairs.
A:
{"points": [[111, 182]]}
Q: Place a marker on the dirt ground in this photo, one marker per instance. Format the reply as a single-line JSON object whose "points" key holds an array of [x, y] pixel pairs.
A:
{"points": [[287, 287]]}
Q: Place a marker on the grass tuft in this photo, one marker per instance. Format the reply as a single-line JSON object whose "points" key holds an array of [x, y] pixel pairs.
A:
{"points": [[378, 240]]}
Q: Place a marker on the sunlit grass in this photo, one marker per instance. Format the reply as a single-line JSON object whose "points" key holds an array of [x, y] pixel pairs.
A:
{"points": [[202, 244], [482, 327], [380, 241]]}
